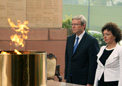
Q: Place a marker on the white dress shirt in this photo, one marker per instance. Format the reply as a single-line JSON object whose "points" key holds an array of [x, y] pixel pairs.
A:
{"points": [[80, 37]]}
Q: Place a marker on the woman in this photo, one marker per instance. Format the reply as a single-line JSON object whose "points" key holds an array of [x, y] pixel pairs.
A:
{"points": [[109, 69]]}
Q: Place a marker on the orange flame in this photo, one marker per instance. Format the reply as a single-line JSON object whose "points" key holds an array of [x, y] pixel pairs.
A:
{"points": [[18, 39], [20, 28], [3, 52], [16, 51]]}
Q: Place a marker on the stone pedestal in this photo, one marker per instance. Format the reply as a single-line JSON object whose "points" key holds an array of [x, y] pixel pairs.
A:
{"points": [[49, 40]]}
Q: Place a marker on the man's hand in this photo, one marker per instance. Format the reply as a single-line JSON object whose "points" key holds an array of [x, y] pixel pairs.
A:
{"points": [[89, 85]]}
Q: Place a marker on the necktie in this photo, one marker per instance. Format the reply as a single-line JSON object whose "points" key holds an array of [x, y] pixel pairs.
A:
{"points": [[76, 44]]}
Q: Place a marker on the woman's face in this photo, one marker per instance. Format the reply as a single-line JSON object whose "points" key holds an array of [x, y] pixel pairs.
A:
{"points": [[109, 38]]}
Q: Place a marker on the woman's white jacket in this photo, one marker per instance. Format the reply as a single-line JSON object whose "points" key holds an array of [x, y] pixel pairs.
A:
{"points": [[113, 66]]}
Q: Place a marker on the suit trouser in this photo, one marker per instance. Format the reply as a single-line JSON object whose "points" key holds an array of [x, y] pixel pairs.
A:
{"points": [[72, 82]]}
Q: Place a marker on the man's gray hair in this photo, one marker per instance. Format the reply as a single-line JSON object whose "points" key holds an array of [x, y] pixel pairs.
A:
{"points": [[82, 18]]}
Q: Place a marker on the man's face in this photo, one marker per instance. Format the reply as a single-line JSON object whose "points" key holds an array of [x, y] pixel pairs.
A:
{"points": [[77, 28]]}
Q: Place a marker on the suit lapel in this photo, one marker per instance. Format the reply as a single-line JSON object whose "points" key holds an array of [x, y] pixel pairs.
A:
{"points": [[72, 44], [112, 56], [99, 55]]}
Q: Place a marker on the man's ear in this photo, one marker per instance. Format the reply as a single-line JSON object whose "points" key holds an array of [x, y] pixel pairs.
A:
{"points": [[84, 26]]}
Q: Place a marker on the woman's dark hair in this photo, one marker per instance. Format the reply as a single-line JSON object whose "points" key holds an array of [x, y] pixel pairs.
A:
{"points": [[115, 30]]}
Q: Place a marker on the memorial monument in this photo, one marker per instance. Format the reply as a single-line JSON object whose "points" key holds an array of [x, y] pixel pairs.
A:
{"points": [[45, 23], [39, 13]]}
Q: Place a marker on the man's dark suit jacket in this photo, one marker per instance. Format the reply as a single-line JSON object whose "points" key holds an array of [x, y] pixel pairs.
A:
{"points": [[82, 65]]}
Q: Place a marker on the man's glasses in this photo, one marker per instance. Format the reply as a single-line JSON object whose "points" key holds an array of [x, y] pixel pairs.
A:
{"points": [[75, 24]]}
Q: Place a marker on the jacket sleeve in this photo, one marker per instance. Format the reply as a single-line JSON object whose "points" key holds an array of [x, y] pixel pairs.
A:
{"points": [[98, 72], [93, 51], [66, 62], [120, 62], [97, 76]]}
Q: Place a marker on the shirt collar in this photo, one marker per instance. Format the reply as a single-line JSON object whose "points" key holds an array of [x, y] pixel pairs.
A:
{"points": [[81, 35]]}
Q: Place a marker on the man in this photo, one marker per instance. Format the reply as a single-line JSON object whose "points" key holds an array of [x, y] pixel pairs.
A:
{"points": [[81, 54]]}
